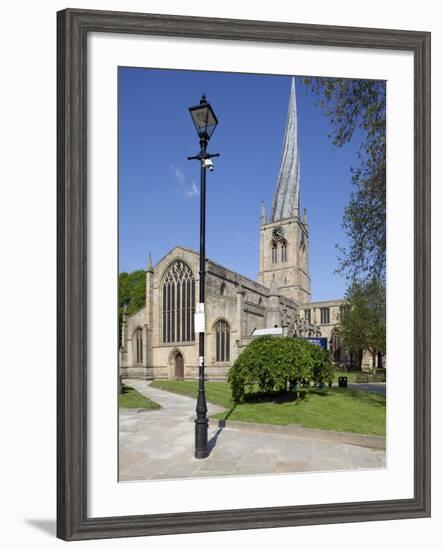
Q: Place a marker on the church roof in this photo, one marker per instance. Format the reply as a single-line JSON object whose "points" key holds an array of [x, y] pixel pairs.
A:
{"points": [[286, 199], [214, 267]]}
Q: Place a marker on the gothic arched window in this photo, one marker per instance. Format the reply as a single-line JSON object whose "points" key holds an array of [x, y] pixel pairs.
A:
{"points": [[335, 345], [284, 251], [222, 332], [222, 289], [178, 303], [138, 345], [274, 253]]}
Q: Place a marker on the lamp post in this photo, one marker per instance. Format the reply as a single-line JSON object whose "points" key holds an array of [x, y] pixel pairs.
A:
{"points": [[205, 123]]}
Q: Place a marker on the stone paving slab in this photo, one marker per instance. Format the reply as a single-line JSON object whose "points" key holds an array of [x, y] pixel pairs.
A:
{"points": [[159, 444], [362, 440]]}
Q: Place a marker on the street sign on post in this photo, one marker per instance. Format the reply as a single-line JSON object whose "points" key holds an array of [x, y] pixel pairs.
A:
{"points": [[199, 319]]}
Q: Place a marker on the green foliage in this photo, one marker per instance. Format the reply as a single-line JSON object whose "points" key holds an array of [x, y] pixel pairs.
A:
{"points": [[131, 399], [270, 364], [323, 370], [338, 409], [363, 327], [351, 375], [217, 393], [357, 108], [131, 292]]}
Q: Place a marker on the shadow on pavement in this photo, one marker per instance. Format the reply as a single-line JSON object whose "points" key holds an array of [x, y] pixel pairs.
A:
{"points": [[211, 444]]}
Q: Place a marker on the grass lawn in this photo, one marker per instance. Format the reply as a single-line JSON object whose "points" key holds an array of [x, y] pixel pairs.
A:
{"points": [[217, 393], [351, 375], [337, 409], [131, 399]]}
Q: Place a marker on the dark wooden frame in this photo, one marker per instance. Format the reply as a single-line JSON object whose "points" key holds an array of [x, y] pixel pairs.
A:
{"points": [[73, 28]]}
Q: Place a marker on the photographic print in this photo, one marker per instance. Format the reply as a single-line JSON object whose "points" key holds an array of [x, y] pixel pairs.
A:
{"points": [[252, 274], [222, 268]]}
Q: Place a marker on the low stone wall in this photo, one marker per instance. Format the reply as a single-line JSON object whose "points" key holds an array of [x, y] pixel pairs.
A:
{"points": [[215, 373], [137, 373], [218, 374]]}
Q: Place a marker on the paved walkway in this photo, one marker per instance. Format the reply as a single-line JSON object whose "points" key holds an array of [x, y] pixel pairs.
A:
{"points": [[376, 387], [159, 444]]}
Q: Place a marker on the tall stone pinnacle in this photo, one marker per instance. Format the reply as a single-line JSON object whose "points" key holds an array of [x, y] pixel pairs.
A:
{"points": [[273, 290], [263, 213], [286, 198], [149, 264]]}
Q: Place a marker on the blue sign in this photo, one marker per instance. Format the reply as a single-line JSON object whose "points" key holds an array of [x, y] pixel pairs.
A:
{"points": [[322, 342]]}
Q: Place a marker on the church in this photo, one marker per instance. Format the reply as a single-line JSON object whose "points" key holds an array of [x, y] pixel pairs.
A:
{"points": [[159, 340]]}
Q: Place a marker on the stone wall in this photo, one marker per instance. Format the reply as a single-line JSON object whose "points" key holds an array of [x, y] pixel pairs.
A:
{"points": [[244, 304], [291, 276]]}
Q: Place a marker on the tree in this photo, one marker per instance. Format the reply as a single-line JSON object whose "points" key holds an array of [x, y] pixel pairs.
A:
{"points": [[131, 292], [358, 108], [362, 327], [272, 364]]}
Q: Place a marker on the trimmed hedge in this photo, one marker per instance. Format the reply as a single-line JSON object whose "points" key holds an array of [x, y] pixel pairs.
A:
{"points": [[273, 364]]}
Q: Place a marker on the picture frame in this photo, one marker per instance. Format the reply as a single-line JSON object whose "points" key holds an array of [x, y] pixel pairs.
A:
{"points": [[73, 27]]}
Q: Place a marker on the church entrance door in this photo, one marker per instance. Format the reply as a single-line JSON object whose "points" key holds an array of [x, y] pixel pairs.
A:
{"points": [[179, 366]]}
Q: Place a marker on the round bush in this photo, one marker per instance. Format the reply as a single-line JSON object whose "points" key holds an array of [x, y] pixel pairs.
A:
{"points": [[323, 369], [272, 364]]}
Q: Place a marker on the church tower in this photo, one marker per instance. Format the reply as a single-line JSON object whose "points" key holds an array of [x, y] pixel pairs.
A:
{"points": [[283, 243]]}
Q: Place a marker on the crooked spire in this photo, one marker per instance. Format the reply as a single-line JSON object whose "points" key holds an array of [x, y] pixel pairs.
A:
{"points": [[286, 198]]}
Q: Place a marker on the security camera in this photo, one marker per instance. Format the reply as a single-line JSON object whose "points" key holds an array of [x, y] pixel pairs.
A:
{"points": [[207, 163]]}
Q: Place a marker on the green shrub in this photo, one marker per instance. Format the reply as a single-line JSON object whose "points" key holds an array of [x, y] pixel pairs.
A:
{"points": [[323, 370], [272, 364]]}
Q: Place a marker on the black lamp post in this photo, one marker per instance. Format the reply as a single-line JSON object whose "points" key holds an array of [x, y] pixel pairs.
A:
{"points": [[205, 123]]}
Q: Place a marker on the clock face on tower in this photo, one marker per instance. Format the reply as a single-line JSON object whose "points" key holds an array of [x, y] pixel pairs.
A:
{"points": [[277, 233]]}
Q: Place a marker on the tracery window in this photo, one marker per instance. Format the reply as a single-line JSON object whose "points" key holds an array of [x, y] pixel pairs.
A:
{"points": [[138, 340], [343, 310], [222, 332], [284, 251], [325, 315], [274, 253], [178, 303], [335, 345]]}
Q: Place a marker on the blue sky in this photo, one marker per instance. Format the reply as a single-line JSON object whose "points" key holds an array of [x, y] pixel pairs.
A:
{"points": [[159, 187]]}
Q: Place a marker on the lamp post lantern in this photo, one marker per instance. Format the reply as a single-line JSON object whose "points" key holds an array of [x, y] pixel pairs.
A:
{"points": [[205, 122]]}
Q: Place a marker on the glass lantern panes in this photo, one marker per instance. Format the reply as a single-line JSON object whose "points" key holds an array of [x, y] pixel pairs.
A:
{"points": [[204, 118]]}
